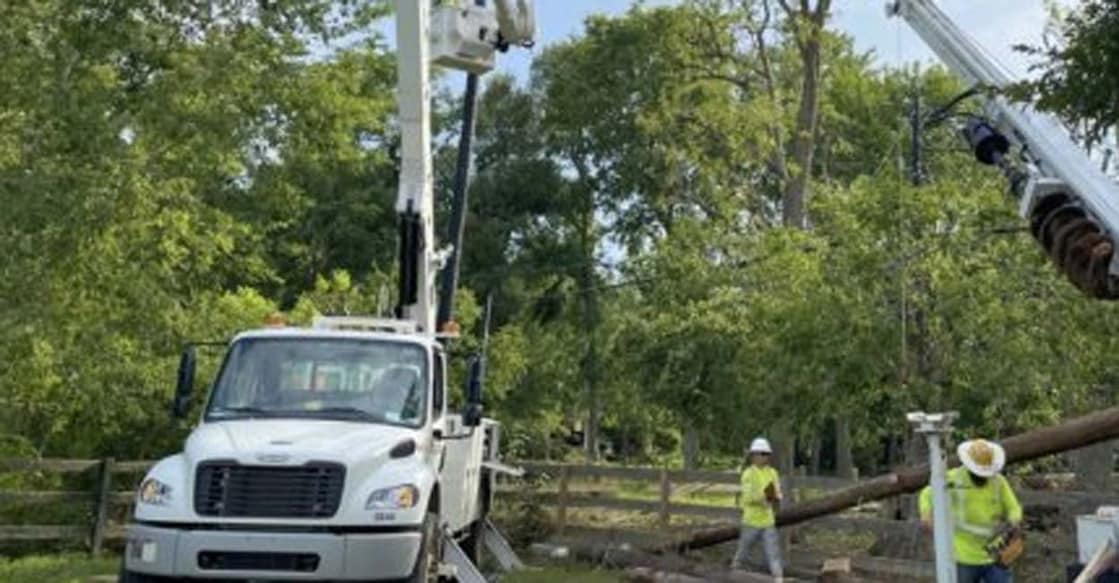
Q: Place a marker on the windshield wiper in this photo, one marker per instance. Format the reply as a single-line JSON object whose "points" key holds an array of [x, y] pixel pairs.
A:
{"points": [[242, 412], [344, 412], [347, 413]]}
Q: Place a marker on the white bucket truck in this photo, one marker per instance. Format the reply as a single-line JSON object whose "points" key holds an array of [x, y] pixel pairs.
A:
{"points": [[328, 453], [324, 453]]}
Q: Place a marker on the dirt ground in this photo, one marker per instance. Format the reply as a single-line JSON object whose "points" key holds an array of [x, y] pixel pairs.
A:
{"points": [[1048, 551]]}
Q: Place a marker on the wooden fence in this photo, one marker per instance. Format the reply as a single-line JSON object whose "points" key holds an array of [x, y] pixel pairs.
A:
{"points": [[109, 493], [562, 495], [103, 497], [566, 487]]}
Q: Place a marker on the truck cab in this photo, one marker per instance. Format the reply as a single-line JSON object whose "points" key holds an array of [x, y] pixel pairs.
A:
{"points": [[322, 453]]}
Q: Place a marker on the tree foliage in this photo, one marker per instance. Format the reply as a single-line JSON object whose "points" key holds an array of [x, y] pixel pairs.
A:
{"points": [[178, 171], [1077, 67]]}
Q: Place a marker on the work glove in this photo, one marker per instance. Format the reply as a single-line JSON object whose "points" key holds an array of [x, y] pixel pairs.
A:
{"points": [[1007, 545], [771, 494]]}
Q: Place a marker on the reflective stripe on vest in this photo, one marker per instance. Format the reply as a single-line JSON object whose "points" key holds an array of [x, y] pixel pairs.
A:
{"points": [[959, 505]]}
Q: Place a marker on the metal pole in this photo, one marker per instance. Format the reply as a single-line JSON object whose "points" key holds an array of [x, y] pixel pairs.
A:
{"points": [[486, 331], [449, 280], [915, 174], [942, 518], [933, 427]]}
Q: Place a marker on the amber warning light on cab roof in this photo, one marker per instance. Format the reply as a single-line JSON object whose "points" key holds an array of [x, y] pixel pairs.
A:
{"points": [[275, 320]]}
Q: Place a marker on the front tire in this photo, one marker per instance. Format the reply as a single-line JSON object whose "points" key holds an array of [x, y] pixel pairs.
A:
{"points": [[472, 544], [430, 556]]}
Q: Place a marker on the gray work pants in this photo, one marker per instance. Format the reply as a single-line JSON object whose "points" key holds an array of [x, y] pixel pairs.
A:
{"points": [[748, 537], [983, 574]]}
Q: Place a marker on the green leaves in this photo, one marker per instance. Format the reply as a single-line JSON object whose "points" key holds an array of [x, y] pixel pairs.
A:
{"points": [[159, 163], [1077, 68], [177, 171]]}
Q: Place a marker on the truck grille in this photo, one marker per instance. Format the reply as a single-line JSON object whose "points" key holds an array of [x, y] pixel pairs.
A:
{"points": [[232, 561], [226, 488]]}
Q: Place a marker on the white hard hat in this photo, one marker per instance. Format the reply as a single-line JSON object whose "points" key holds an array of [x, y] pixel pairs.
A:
{"points": [[760, 445], [981, 457]]}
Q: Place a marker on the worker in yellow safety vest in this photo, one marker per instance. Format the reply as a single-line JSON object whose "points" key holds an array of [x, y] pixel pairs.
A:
{"points": [[759, 498], [982, 505]]}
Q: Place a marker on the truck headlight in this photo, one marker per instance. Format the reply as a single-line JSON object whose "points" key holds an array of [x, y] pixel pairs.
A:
{"points": [[154, 492], [395, 498]]}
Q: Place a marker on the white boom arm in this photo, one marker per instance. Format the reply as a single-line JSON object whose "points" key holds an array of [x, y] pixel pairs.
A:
{"points": [[415, 203], [1073, 207], [465, 36]]}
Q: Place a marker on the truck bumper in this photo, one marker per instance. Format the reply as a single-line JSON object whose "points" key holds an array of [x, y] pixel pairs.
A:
{"points": [[227, 554]]}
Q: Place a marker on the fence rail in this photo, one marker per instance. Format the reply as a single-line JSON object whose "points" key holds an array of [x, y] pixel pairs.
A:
{"points": [[103, 498], [676, 476], [567, 490], [565, 493]]}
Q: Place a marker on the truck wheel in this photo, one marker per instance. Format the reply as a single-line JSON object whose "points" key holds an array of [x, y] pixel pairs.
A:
{"points": [[472, 544], [431, 545]]}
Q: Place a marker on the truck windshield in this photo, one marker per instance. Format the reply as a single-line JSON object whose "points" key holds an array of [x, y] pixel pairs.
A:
{"points": [[345, 379]]}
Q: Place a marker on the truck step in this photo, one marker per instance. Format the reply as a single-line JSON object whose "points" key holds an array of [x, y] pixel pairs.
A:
{"points": [[500, 468], [464, 569], [500, 548]]}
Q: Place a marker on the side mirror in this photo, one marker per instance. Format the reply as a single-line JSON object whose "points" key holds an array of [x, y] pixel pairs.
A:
{"points": [[472, 414], [474, 381], [185, 385]]}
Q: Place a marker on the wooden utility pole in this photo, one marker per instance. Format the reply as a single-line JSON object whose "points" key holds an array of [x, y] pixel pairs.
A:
{"points": [[1074, 434]]}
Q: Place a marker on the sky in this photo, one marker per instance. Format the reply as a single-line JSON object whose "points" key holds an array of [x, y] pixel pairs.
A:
{"points": [[996, 24]]}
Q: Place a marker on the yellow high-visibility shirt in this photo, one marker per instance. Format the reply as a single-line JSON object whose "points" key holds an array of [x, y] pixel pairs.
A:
{"points": [[976, 513], [756, 511]]}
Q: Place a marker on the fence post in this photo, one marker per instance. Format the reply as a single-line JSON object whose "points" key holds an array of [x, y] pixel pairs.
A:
{"points": [[561, 512], [104, 493], [666, 496]]}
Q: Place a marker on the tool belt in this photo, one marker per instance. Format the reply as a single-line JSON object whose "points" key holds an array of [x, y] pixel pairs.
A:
{"points": [[1007, 545]]}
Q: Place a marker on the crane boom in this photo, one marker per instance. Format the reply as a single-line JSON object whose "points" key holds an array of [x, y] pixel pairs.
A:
{"points": [[1072, 206], [415, 201], [460, 35]]}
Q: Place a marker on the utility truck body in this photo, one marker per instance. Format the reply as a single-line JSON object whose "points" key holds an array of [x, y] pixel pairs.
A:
{"points": [[325, 453], [328, 453]]}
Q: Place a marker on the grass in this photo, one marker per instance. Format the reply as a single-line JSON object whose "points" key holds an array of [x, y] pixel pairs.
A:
{"points": [[65, 568], [79, 568], [710, 496]]}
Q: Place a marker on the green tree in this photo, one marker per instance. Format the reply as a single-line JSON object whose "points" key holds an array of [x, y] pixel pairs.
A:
{"points": [[1076, 67], [142, 144]]}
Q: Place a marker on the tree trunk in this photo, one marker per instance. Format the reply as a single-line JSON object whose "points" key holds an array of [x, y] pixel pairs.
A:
{"points": [[809, 26], [916, 453], [590, 386], [894, 508], [1094, 466], [784, 448], [804, 142], [691, 447], [590, 317], [814, 457], [844, 461], [1081, 432]]}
